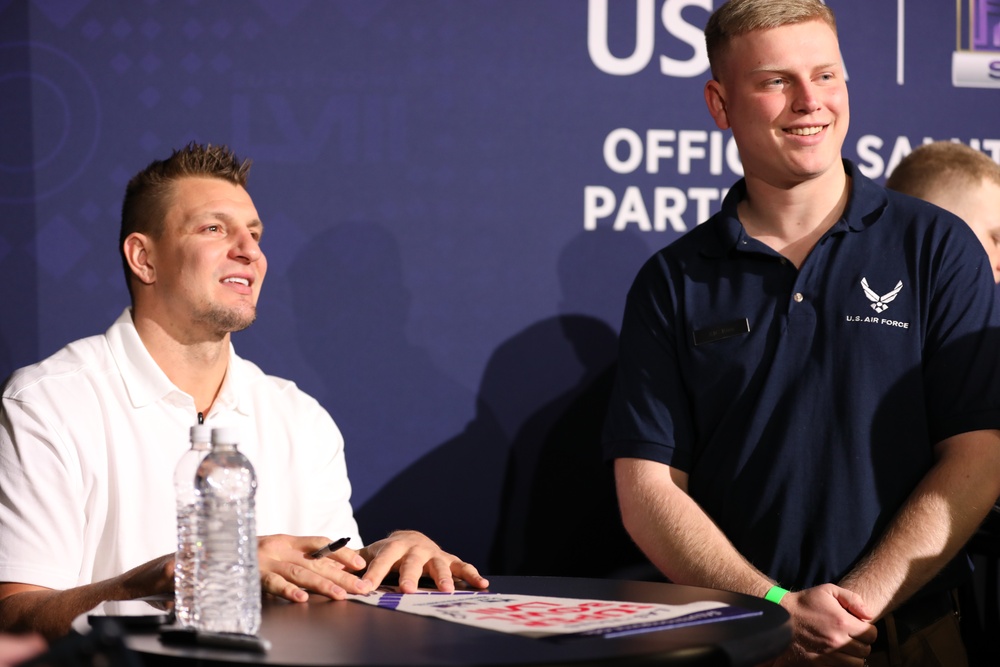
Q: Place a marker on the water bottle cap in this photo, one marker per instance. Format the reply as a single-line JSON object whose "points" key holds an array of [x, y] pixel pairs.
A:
{"points": [[201, 433], [225, 435]]}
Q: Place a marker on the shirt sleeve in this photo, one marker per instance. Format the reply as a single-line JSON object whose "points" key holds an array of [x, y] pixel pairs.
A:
{"points": [[303, 486], [333, 487], [42, 500], [962, 341], [649, 415]]}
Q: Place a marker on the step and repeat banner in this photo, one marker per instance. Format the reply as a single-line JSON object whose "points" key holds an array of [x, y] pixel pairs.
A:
{"points": [[457, 194]]}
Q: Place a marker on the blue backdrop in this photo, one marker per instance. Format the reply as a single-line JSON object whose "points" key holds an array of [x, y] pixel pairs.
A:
{"points": [[457, 194]]}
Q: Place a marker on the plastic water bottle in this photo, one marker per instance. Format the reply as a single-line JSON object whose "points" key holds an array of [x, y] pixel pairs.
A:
{"points": [[187, 524], [227, 597]]}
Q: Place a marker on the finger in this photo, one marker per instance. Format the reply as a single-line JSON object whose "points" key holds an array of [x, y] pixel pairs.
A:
{"points": [[469, 574], [868, 636], [379, 565], [855, 649], [841, 660], [169, 565], [439, 570], [323, 577], [276, 585], [333, 572], [413, 565], [348, 558]]}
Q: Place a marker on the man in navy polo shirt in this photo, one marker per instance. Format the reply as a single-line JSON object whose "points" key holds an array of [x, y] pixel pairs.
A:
{"points": [[807, 396]]}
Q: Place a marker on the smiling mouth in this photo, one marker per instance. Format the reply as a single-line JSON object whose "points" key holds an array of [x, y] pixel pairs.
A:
{"points": [[806, 131], [238, 281]]}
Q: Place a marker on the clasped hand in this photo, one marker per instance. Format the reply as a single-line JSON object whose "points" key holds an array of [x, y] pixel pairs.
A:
{"points": [[288, 571], [831, 626]]}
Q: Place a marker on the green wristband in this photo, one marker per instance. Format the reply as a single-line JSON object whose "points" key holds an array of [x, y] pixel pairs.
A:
{"points": [[774, 594]]}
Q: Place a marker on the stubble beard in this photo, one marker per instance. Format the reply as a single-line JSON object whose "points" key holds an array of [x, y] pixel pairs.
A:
{"points": [[228, 320]]}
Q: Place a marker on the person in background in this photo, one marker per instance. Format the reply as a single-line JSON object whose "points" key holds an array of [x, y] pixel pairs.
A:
{"points": [[15, 649], [90, 436], [960, 179], [806, 406]]}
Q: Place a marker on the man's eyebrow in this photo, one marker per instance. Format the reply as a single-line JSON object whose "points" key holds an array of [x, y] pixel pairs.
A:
{"points": [[222, 216], [253, 225], [778, 69]]}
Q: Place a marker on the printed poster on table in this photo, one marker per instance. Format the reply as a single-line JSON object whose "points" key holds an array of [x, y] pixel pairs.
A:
{"points": [[539, 616]]}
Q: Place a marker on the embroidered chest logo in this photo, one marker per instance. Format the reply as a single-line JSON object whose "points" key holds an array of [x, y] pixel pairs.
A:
{"points": [[880, 303]]}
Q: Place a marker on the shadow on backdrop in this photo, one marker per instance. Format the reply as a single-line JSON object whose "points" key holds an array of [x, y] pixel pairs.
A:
{"points": [[560, 514], [389, 400], [525, 474]]}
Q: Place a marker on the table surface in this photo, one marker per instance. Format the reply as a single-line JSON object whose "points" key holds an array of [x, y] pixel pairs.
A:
{"points": [[326, 632]]}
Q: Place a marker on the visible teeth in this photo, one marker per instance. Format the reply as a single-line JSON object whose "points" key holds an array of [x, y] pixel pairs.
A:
{"points": [[241, 281], [806, 131]]}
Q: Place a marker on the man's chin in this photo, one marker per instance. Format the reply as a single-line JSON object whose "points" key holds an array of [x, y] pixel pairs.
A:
{"points": [[230, 321], [242, 325]]}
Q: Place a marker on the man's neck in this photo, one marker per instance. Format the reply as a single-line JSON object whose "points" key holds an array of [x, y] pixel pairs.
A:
{"points": [[791, 220], [197, 366]]}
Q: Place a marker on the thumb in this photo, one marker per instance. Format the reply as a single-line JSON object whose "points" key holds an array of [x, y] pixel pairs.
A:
{"points": [[853, 603]]}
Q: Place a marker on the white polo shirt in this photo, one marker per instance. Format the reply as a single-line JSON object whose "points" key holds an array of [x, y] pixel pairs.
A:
{"points": [[89, 439]]}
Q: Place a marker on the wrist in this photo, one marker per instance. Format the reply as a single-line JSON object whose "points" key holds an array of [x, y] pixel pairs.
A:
{"points": [[775, 594]]}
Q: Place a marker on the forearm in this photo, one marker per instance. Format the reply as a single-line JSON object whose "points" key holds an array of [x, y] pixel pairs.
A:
{"points": [[687, 546], [937, 519], [51, 612], [678, 537]]}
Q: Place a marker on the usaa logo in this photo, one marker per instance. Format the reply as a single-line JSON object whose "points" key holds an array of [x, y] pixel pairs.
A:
{"points": [[976, 60], [645, 35]]}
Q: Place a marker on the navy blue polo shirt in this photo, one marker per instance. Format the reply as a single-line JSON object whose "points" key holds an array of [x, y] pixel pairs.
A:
{"points": [[804, 403]]}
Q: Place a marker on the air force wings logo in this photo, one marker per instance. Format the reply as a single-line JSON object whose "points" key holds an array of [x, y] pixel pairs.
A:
{"points": [[880, 303]]}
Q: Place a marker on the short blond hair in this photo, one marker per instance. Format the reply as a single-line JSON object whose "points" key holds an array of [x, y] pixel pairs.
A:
{"points": [[941, 164], [738, 17]]}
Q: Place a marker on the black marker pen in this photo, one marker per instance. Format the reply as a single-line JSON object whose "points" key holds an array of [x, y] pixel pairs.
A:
{"points": [[330, 548]]}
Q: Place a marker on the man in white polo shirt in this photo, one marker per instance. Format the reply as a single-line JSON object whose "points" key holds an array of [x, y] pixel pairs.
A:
{"points": [[89, 437]]}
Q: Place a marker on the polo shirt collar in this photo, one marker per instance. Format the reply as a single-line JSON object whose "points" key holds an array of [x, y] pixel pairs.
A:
{"points": [[865, 205], [867, 202], [145, 381], [235, 392]]}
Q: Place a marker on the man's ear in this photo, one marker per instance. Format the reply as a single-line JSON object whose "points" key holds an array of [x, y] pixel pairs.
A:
{"points": [[138, 253], [715, 98]]}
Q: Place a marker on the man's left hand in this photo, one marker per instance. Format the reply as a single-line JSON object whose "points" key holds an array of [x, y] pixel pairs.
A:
{"points": [[415, 555]]}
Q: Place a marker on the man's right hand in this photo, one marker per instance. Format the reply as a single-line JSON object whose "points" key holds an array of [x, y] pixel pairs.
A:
{"points": [[830, 626], [288, 571], [286, 568]]}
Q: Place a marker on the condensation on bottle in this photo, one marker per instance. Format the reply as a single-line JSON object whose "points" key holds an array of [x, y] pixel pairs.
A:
{"points": [[227, 594], [188, 538]]}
